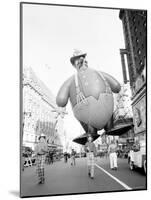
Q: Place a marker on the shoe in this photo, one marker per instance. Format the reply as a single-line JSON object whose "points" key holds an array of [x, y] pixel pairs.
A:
{"points": [[89, 174], [40, 182], [115, 168], [92, 177]]}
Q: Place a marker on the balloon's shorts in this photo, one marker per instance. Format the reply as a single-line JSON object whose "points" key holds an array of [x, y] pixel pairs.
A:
{"points": [[95, 112]]}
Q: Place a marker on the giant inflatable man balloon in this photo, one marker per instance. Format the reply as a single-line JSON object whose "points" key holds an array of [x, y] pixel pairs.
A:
{"points": [[90, 94]]}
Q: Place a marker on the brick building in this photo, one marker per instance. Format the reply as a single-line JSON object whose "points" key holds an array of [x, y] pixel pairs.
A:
{"points": [[133, 59]]}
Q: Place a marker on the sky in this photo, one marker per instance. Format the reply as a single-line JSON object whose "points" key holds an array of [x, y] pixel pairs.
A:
{"points": [[51, 33]]}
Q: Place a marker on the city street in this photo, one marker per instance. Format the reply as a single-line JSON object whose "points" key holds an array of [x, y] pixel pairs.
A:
{"points": [[62, 178], [107, 110]]}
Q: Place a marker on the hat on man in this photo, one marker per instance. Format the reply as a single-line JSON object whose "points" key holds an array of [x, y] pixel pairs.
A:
{"points": [[42, 135], [89, 135], [77, 54]]}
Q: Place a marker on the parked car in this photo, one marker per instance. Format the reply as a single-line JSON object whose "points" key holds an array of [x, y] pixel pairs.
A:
{"points": [[137, 157]]}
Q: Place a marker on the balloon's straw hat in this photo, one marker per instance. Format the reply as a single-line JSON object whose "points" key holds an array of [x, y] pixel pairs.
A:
{"points": [[77, 54]]}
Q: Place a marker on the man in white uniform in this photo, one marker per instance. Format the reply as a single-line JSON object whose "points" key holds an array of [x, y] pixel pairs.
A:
{"points": [[112, 155]]}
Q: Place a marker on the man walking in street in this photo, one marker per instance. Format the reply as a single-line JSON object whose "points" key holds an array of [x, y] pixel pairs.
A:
{"points": [[91, 153], [73, 153], [40, 150], [113, 155]]}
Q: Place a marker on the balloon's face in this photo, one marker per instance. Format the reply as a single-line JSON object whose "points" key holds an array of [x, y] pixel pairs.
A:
{"points": [[78, 63], [99, 107]]}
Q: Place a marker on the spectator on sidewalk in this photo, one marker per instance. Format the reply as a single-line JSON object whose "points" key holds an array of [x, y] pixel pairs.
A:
{"points": [[51, 156], [65, 157], [91, 153], [23, 160], [27, 156], [73, 153], [113, 155], [40, 150]]}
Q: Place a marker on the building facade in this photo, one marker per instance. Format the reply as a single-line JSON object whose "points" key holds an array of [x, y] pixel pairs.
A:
{"points": [[38, 111], [120, 128], [122, 103], [135, 29], [123, 115]]}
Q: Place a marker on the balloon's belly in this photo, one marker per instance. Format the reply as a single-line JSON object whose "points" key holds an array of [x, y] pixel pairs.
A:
{"points": [[90, 84], [95, 112]]}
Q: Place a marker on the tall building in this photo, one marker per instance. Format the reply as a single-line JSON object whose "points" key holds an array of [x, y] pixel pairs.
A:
{"points": [[38, 111], [134, 28]]}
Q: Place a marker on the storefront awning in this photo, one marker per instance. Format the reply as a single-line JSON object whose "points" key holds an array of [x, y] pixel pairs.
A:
{"points": [[119, 130]]}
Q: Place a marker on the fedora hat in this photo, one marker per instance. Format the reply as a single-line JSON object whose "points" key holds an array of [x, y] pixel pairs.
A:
{"points": [[77, 54]]}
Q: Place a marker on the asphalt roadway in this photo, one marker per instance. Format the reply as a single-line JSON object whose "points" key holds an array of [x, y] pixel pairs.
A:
{"points": [[62, 178]]}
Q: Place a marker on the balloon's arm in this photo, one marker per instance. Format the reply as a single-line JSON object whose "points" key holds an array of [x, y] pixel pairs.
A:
{"points": [[114, 84], [63, 94]]}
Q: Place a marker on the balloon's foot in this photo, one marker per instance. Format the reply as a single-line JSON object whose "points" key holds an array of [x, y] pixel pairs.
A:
{"points": [[82, 139]]}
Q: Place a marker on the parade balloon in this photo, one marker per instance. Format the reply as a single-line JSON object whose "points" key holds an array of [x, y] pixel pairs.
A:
{"points": [[90, 94]]}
